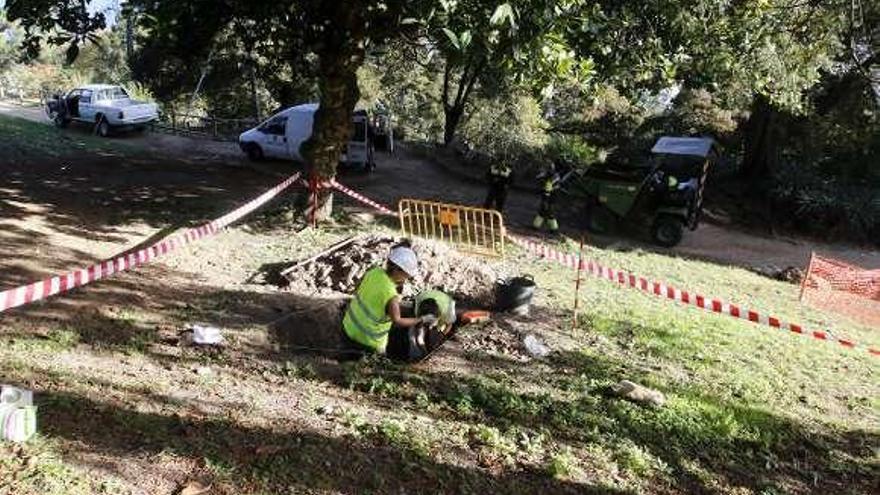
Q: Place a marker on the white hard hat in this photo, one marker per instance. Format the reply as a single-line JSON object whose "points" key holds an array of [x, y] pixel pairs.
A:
{"points": [[405, 259]]}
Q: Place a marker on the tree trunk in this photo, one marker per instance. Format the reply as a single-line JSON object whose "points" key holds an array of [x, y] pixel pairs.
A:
{"points": [[761, 140], [452, 118], [453, 110], [341, 53], [255, 98]]}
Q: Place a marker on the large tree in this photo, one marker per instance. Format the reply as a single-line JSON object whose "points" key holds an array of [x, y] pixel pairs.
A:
{"points": [[760, 55], [491, 47], [337, 32]]}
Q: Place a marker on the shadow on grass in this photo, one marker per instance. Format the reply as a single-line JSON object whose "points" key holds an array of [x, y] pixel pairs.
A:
{"points": [[91, 193], [745, 446], [702, 439], [300, 459]]}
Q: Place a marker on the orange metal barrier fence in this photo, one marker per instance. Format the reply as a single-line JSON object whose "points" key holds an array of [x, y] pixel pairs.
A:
{"points": [[846, 289], [469, 229]]}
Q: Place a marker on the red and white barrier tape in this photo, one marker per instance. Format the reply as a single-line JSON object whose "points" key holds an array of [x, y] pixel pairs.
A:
{"points": [[658, 289], [58, 284], [363, 199]]}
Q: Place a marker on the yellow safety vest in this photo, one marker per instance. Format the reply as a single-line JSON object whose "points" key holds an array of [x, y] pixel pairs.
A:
{"points": [[445, 303], [365, 320], [548, 185], [500, 171]]}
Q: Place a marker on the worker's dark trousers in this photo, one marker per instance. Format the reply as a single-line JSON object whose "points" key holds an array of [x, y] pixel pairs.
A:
{"points": [[546, 214], [548, 201], [497, 197]]}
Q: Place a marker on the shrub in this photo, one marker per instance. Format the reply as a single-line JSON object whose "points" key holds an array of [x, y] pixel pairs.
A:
{"points": [[572, 150], [825, 205], [507, 128]]}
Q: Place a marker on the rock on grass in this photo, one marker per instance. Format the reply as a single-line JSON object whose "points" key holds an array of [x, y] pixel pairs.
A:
{"points": [[639, 394]]}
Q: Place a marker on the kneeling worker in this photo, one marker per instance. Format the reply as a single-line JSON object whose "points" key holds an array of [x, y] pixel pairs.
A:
{"points": [[376, 303]]}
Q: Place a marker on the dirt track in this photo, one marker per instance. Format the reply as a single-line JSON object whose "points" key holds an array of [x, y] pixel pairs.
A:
{"points": [[405, 175]]}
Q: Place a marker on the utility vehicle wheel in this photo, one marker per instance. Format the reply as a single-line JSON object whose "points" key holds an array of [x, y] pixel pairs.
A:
{"points": [[599, 219], [667, 230], [254, 152], [103, 128]]}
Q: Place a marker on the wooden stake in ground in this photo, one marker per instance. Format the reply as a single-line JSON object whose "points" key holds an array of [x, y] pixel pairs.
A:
{"points": [[339, 245], [806, 276], [577, 286]]}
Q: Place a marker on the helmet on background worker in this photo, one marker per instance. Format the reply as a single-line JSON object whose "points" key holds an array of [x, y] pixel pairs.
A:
{"points": [[442, 304]]}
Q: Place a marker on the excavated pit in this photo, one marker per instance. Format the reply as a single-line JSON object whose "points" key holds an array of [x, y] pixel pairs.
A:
{"points": [[329, 279]]}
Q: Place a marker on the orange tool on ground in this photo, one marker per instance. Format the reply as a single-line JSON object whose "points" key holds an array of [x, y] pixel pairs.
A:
{"points": [[475, 316]]}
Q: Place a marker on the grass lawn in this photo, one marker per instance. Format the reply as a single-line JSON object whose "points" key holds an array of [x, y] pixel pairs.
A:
{"points": [[25, 139], [126, 409]]}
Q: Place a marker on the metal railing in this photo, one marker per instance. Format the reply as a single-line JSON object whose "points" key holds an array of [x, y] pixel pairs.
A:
{"points": [[203, 126], [469, 229]]}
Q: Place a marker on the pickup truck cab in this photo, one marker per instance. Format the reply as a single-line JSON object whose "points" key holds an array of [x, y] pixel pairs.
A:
{"points": [[282, 135], [106, 107]]}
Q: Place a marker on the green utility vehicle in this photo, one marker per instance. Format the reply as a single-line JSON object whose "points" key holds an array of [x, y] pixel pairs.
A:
{"points": [[665, 193]]}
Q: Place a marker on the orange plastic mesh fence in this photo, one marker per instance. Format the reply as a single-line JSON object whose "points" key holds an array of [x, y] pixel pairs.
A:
{"points": [[843, 288], [473, 230]]}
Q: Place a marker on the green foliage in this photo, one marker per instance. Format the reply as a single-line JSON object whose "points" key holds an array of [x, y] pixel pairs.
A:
{"points": [[605, 118], [139, 91], [819, 204], [105, 60], [635, 459], [563, 464], [572, 150], [61, 340], [493, 440], [696, 112], [506, 128], [409, 89], [37, 467], [10, 37], [491, 48]]}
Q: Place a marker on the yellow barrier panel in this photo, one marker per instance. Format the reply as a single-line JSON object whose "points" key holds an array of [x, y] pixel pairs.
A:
{"points": [[469, 229]]}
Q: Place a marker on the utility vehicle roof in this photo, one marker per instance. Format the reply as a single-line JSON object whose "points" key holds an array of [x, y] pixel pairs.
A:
{"points": [[98, 87], [688, 146]]}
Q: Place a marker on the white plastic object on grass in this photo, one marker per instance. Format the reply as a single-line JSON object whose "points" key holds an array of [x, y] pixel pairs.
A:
{"points": [[535, 347], [18, 416], [15, 396], [206, 335]]}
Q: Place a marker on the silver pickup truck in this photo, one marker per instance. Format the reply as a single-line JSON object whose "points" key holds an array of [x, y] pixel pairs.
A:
{"points": [[106, 107]]}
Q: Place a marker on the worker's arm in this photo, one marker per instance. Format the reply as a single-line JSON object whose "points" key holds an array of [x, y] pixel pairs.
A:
{"points": [[393, 312]]}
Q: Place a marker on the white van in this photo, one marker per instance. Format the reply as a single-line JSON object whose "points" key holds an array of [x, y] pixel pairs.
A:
{"points": [[282, 135]]}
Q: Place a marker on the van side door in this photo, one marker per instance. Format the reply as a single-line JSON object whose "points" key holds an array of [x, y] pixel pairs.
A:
{"points": [[299, 130]]}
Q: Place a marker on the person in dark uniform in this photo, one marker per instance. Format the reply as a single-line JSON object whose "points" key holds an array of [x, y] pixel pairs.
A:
{"points": [[550, 181], [500, 177]]}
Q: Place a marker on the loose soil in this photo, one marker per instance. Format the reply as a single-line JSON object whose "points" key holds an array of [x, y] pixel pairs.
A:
{"points": [[470, 280]]}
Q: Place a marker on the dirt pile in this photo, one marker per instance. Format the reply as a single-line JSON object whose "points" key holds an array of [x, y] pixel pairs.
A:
{"points": [[498, 338], [791, 274], [470, 279]]}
